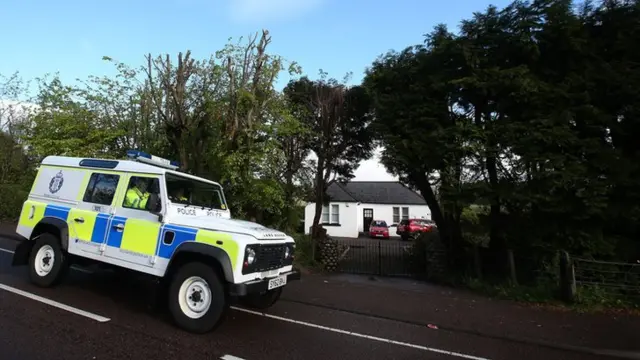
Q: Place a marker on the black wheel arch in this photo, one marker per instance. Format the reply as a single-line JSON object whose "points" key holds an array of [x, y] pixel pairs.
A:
{"points": [[51, 225], [56, 226], [197, 251]]}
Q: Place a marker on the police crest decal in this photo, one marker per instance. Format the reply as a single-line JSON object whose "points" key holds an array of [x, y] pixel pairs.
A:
{"points": [[56, 183]]}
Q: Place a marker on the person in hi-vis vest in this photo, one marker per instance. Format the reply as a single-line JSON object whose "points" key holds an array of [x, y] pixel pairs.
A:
{"points": [[137, 195], [178, 195]]}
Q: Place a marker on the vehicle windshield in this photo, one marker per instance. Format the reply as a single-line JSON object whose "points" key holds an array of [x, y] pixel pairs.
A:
{"points": [[183, 190], [379, 223], [423, 222]]}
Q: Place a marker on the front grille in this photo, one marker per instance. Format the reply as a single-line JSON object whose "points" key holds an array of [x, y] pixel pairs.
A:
{"points": [[269, 257]]}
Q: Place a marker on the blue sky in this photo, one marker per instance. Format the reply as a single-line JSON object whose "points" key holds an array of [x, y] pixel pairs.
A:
{"points": [[71, 36]]}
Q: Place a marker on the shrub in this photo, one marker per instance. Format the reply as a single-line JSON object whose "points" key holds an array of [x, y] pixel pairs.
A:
{"points": [[428, 256], [12, 197], [303, 254]]}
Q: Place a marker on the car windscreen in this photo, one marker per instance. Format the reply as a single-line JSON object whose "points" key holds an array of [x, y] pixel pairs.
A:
{"points": [[183, 190], [379, 224], [422, 222]]}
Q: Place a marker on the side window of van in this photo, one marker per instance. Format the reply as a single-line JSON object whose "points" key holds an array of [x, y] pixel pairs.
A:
{"points": [[101, 188], [138, 192]]}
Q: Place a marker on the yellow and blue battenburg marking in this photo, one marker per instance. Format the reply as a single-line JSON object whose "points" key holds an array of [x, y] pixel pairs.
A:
{"points": [[141, 236]]}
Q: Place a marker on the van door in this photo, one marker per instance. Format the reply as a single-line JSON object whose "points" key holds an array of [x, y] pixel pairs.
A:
{"points": [[134, 231], [89, 219]]}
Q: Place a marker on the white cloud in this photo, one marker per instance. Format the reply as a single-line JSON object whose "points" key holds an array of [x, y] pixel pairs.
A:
{"points": [[373, 170], [368, 170], [271, 10], [12, 111]]}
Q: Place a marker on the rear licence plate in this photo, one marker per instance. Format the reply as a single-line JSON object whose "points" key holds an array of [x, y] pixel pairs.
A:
{"points": [[277, 282]]}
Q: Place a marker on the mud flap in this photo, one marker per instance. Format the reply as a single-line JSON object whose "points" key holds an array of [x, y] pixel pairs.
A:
{"points": [[22, 252]]}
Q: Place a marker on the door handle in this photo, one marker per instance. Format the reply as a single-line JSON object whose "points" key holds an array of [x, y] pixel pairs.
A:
{"points": [[79, 220], [119, 227]]}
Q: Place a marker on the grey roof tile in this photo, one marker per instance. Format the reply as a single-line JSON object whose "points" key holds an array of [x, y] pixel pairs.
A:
{"points": [[374, 192]]}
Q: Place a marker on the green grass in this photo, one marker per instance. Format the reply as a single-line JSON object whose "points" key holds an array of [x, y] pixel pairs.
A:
{"points": [[588, 299]]}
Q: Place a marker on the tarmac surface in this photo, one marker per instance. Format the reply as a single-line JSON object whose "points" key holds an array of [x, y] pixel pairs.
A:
{"points": [[100, 315]]}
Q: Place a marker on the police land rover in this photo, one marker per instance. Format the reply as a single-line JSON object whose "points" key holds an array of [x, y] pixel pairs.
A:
{"points": [[142, 214]]}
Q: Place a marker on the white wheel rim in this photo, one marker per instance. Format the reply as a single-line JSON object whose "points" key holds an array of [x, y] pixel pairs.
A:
{"points": [[194, 297], [45, 258]]}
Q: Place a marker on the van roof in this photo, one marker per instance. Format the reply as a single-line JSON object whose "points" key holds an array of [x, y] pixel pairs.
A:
{"points": [[116, 165]]}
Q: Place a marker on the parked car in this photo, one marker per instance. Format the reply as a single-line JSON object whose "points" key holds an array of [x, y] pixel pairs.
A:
{"points": [[411, 228], [379, 228]]}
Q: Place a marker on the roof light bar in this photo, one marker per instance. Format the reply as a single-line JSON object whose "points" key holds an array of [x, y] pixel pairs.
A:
{"points": [[144, 157]]}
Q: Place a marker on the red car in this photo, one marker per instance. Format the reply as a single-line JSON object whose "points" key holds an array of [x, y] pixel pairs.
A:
{"points": [[379, 228], [411, 228]]}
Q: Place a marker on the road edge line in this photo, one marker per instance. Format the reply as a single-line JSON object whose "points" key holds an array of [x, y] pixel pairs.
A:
{"points": [[518, 340], [363, 336], [55, 304]]}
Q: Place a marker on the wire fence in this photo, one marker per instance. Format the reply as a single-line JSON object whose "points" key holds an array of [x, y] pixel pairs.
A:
{"points": [[614, 277]]}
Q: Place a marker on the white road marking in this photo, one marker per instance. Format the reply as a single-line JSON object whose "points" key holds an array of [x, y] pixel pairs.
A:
{"points": [[369, 337], [326, 328], [43, 300], [72, 266]]}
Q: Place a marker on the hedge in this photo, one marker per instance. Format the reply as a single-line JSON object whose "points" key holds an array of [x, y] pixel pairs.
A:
{"points": [[12, 197]]}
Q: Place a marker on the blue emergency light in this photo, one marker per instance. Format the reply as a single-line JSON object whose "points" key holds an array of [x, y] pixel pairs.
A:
{"points": [[144, 157]]}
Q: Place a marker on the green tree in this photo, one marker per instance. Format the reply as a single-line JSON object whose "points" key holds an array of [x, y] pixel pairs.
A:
{"points": [[538, 102], [62, 125], [421, 132], [339, 117]]}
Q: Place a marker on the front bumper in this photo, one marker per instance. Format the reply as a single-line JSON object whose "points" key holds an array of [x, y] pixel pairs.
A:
{"points": [[379, 234], [260, 285]]}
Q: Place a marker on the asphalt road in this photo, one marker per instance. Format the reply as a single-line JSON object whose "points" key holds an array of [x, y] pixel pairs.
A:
{"points": [[99, 315]]}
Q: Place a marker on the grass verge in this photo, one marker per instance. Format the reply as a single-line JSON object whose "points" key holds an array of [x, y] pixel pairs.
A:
{"points": [[588, 299]]}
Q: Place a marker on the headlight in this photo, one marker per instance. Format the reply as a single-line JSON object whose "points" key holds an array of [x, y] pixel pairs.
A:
{"points": [[251, 256], [287, 252]]}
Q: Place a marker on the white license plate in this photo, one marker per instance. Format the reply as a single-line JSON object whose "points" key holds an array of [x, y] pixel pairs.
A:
{"points": [[379, 235], [268, 274], [277, 282]]}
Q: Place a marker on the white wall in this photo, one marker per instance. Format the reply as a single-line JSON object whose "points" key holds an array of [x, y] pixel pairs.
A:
{"points": [[347, 218], [351, 216], [385, 212]]}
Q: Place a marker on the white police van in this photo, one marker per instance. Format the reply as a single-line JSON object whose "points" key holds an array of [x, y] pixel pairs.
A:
{"points": [[143, 215]]}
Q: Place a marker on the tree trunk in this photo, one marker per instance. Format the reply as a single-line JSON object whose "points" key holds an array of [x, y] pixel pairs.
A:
{"points": [[288, 196], [497, 244], [319, 200], [448, 227]]}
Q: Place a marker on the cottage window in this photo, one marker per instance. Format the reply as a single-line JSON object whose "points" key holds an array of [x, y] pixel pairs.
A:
{"points": [[335, 214], [405, 213], [331, 214], [396, 215]]}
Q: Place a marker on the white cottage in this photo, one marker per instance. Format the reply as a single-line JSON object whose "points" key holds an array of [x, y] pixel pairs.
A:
{"points": [[353, 205]]}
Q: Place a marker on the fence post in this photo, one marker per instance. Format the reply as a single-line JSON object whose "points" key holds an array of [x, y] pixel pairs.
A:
{"points": [[427, 262], [567, 278], [477, 262], [512, 267], [379, 258]]}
